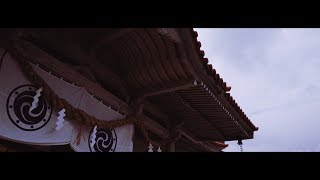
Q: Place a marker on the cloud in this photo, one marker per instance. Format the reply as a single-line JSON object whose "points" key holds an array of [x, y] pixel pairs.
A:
{"points": [[275, 78]]}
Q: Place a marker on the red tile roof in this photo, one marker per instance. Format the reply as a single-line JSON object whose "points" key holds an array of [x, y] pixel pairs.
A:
{"points": [[212, 72], [209, 67], [239, 110]]}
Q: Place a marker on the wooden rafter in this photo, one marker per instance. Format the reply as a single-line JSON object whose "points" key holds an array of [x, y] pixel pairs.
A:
{"points": [[174, 88], [199, 114], [109, 37]]}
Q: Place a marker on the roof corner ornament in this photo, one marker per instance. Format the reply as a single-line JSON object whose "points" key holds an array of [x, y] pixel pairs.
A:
{"points": [[240, 144]]}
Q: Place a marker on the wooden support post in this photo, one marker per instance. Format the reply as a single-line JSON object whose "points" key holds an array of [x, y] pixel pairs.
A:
{"points": [[172, 146], [175, 135]]}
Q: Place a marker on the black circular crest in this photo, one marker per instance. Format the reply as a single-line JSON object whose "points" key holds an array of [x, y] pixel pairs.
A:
{"points": [[106, 140], [18, 104]]}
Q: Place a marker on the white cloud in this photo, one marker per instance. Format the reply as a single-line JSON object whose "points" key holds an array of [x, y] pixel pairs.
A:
{"points": [[275, 78]]}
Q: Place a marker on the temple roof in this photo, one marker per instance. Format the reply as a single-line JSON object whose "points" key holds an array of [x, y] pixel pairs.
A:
{"points": [[213, 73], [163, 66]]}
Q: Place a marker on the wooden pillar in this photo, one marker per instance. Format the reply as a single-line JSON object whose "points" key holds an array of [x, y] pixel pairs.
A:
{"points": [[175, 135], [172, 146], [139, 142]]}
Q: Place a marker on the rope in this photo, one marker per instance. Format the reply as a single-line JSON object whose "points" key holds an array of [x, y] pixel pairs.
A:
{"points": [[3, 148], [75, 114]]}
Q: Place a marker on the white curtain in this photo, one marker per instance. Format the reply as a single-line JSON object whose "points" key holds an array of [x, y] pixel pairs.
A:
{"points": [[38, 126], [16, 96], [106, 140]]}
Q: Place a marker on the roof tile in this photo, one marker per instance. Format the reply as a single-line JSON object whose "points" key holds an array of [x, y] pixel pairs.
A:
{"points": [[221, 83]]}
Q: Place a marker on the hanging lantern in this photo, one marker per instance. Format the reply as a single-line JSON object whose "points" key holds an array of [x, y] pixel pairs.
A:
{"points": [[240, 144]]}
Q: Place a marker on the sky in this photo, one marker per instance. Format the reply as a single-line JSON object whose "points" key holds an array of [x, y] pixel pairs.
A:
{"points": [[275, 78]]}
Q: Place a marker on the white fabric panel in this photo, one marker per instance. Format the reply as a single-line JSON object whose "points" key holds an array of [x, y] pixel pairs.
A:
{"points": [[115, 140], [38, 127], [16, 96]]}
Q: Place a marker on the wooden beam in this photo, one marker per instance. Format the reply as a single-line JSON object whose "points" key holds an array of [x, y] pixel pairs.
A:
{"points": [[109, 37], [185, 134], [154, 110], [188, 136], [177, 87], [72, 51], [154, 127], [62, 69], [113, 79], [200, 115]]}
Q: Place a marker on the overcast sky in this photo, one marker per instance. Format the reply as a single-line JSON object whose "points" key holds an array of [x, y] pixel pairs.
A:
{"points": [[275, 78]]}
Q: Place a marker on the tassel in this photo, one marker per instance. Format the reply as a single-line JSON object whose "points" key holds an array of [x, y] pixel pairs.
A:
{"points": [[78, 138], [150, 148]]}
